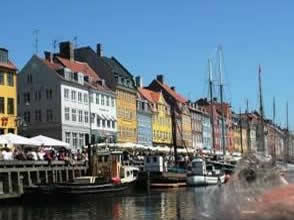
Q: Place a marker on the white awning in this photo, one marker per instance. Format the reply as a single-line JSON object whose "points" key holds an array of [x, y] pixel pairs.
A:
{"points": [[47, 141], [13, 139]]}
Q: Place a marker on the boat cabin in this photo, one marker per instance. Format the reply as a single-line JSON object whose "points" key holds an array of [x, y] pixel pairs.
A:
{"points": [[201, 167], [107, 164], [155, 163]]}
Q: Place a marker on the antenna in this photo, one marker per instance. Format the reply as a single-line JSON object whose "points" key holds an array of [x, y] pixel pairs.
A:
{"points": [[75, 39], [36, 40], [54, 44]]}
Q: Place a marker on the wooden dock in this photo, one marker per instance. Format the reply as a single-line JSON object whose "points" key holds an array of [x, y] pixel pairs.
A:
{"points": [[16, 175]]}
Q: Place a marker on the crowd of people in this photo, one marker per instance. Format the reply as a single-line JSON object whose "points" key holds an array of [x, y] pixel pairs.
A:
{"points": [[43, 154]]}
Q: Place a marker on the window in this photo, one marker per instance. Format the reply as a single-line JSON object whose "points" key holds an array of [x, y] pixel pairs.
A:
{"points": [[29, 79], [38, 116], [10, 106], [10, 80], [1, 78], [86, 98], [80, 116], [27, 98], [80, 97], [107, 101], [103, 123], [91, 98], [27, 117], [81, 140], [2, 105], [98, 122], [67, 137], [97, 99], [86, 117], [66, 93], [49, 115], [102, 99], [74, 115], [39, 94], [49, 93], [108, 123], [74, 139], [112, 101], [73, 95], [66, 113], [92, 118], [113, 124]]}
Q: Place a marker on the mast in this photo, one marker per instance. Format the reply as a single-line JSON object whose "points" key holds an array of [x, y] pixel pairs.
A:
{"points": [[221, 99], [241, 135], [261, 145], [286, 147], [174, 131], [274, 138], [248, 128], [211, 103]]}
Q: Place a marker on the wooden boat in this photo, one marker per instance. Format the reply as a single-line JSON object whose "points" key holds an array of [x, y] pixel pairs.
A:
{"points": [[108, 176], [90, 184], [203, 174]]}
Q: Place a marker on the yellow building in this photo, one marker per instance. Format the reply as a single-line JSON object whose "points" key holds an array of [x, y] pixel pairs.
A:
{"points": [[237, 139], [161, 118], [8, 103], [126, 116]]}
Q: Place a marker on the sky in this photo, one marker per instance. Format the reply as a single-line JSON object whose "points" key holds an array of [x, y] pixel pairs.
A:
{"points": [[174, 38]]}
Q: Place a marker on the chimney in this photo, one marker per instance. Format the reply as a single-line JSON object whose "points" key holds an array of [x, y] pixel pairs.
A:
{"points": [[173, 88], [99, 50], [48, 56], [139, 81], [66, 50], [3, 55], [160, 78]]}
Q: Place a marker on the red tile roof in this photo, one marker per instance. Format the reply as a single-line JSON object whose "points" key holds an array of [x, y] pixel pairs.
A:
{"points": [[150, 95], [54, 66], [174, 94], [76, 66], [8, 65]]}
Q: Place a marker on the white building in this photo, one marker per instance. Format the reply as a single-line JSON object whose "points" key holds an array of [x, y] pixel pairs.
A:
{"points": [[64, 112]]}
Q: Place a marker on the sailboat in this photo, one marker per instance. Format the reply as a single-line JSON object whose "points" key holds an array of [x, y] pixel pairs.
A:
{"points": [[204, 172]]}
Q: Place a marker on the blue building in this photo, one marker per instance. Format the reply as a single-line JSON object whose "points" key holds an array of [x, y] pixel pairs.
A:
{"points": [[144, 118], [207, 131]]}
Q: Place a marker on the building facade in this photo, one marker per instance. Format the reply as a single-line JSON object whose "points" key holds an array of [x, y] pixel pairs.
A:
{"points": [[144, 117], [179, 111], [120, 80], [57, 99], [161, 118], [206, 131], [197, 125], [8, 94]]}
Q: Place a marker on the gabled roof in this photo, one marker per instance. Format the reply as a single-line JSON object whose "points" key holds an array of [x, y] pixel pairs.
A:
{"points": [[150, 95], [8, 65], [116, 66], [172, 93], [76, 66]]}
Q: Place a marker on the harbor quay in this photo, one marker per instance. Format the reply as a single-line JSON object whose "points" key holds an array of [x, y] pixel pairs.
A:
{"points": [[17, 177]]}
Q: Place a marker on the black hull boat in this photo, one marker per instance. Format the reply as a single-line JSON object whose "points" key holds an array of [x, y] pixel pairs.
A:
{"points": [[79, 189]]}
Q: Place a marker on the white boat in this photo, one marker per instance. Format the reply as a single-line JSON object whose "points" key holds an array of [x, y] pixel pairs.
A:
{"points": [[129, 174], [203, 174]]}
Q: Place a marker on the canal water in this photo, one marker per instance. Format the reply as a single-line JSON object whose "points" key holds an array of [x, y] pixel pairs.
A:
{"points": [[205, 203], [183, 203]]}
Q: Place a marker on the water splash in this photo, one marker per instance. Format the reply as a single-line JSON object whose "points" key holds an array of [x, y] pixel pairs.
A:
{"points": [[241, 197]]}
